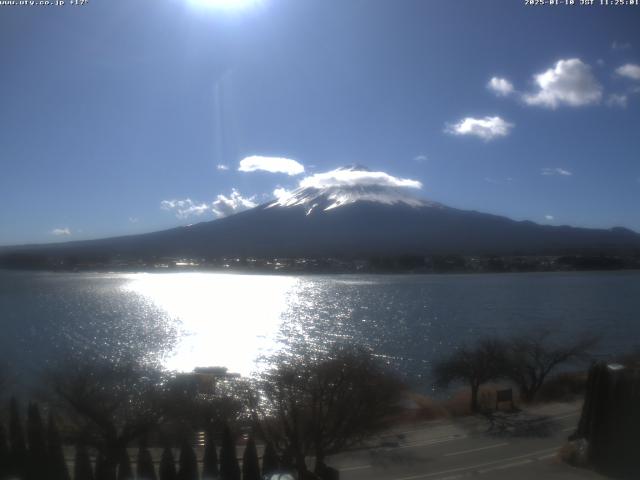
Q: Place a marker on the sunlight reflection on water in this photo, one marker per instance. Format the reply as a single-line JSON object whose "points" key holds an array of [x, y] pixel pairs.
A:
{"points": [[185, 320], [223, 320]]}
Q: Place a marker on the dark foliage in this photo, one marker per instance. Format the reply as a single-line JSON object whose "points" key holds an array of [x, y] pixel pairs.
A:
{"points": [[37, 468], [125, 472], [250, 464], [210, 469], [82, 465], [57, 465], [270, 462], [188, 463], [4, 454], [105, 470], [168, 466], [18, 448], [145, 468], [229, 468], [473, 365]]}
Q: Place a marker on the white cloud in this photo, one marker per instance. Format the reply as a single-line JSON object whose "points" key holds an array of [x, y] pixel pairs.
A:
{"points": [[549, 217], [224, 206], [347, 185], [271, 164], [61, 232], [420, 158], [282, 194], [620, 46], [354, 178], [556, 171], [616, 100], [500, 86], [220, 166], [486, 128], [629, 70], [498, 181], [185, 208], [570, 82], [134, 219]]}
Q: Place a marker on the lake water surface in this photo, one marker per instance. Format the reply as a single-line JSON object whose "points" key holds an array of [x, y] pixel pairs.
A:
{"points": [[202, 319]]}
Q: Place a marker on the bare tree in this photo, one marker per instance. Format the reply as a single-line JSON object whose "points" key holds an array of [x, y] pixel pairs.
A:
{"points": [[473, 365], [184, 405], [630, 359], [112, 404], [314, 406], [532, 357]]}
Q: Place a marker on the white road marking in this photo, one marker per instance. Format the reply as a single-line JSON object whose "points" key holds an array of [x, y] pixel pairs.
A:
{"points": [[505, 466], [494, 465], [546, 457], [452, 437], [431, 442], [476, 449], [479, 465], [355, 467]]}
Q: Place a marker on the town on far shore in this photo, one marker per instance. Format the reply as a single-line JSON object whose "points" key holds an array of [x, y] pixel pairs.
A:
{"points": [[587, 261]]}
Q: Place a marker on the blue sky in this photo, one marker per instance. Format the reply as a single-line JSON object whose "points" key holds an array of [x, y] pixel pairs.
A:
{"points": [[114, 112]]}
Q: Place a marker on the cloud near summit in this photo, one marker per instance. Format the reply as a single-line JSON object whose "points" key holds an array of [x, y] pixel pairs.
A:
{"points": [[222, 206], [270, 164], [354, 178]]}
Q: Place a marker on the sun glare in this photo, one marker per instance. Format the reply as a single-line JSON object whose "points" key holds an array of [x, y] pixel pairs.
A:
{"points": [[224, 4], [218, 326]]}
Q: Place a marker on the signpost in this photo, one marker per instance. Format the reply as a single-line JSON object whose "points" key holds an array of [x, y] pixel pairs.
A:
{"points": [[504, 396]]}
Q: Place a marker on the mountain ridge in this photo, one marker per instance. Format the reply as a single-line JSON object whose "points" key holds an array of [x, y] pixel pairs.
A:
{"points": [[359, 228], [348, 212]]}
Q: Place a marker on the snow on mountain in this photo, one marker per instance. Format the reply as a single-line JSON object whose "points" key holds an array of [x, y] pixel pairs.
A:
{"points": [[349, 212], [347, 185]]}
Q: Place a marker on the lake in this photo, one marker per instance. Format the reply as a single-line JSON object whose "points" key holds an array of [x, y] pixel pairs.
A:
{"points": [[186, 320]]}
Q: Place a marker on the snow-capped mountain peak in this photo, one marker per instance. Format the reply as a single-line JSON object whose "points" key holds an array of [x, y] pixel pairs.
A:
{"points": [[347, 185]]}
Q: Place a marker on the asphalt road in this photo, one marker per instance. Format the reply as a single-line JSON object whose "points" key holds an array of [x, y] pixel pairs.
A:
{"points": [[521, 447]]}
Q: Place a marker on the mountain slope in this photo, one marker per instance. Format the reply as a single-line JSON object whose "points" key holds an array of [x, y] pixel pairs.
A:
{"points": [[351, 212], [360, 228]]}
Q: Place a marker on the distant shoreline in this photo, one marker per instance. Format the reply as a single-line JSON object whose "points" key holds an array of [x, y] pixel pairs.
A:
{"points": [[416, 265]]}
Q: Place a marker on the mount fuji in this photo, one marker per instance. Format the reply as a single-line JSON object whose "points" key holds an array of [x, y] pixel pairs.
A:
{"points": [[353, 212]]}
